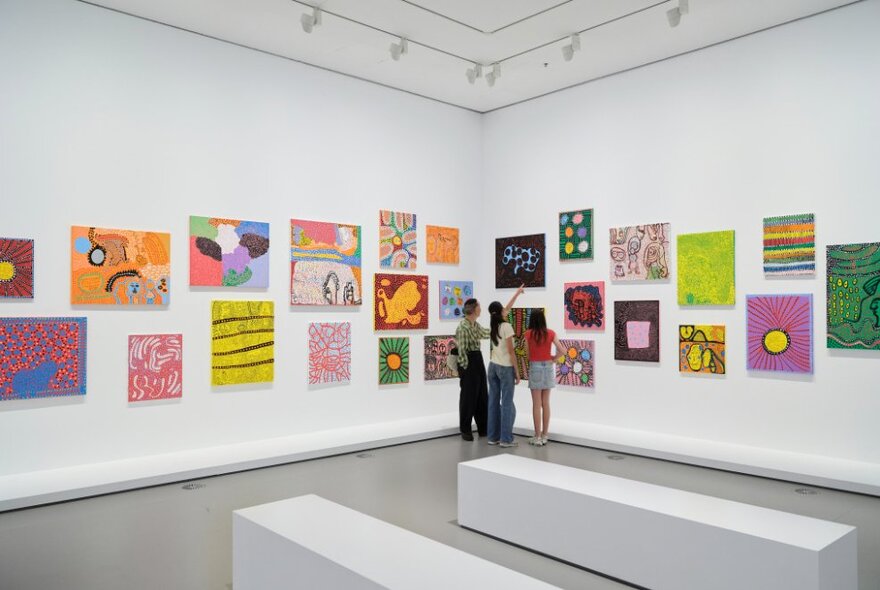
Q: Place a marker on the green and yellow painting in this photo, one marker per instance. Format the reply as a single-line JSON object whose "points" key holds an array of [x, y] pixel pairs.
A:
{"points": [[705, 268], [853, 296]]}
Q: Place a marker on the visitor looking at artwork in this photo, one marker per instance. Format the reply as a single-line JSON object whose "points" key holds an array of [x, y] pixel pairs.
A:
{"points": [[542, 372], [503, 375]]}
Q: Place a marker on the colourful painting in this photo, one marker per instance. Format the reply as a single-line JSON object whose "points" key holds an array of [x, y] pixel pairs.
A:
{"points": [[325, 263], [640, 252], [519, 260], [401, 302], [329, 352], [701, 349], [519, 317], [397, 240], [228, 252], [16, 268], [119, 266], [853, 296], [790, 245], [576, 235], [42, 357], [436, 351], [155, 367], [637, 331], [779, 333], [453, 294], [242, 342], [442, 244], [584, 306], [576, 368], [393, 360], [705, 269]]}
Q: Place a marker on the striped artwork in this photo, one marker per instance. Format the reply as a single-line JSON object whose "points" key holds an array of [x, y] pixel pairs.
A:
{"points": [[790, 245], [242, 342]]}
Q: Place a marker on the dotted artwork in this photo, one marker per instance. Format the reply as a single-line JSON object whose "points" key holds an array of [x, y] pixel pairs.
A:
{"points": [[42, 357], [576, 235], [453, 294], [228, 252], [852, 289], [325, 263], [779, 333], [519, 260], [397, 240], [442, 244], [701, 349], [640, 252], [436, 351], [329, 353], [706, 268], [576, 368], [400, 302], [242, 342], [393, 360], [790, 245], [16, 268], [584, 306], [155, 367], [637, 331], [518, 318]]}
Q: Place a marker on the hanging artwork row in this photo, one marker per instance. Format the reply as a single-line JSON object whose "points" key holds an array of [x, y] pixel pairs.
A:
{"points": [[325, 263]]}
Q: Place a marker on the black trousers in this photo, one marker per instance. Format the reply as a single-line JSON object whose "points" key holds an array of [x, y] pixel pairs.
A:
{"points": [[473, 402]]}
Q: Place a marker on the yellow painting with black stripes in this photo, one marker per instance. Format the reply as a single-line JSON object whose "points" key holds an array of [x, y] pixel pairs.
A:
{"points": [[242, 342]]}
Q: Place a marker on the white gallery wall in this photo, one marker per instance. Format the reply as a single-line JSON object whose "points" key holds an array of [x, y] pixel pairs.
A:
{"points": [[781, 122], [112, 121]]}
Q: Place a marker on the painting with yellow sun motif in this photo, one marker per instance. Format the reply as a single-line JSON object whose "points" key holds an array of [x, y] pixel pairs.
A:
{"points": [[701, 349], [400, 302], [779, 333], [16, 268], [393, 360]]}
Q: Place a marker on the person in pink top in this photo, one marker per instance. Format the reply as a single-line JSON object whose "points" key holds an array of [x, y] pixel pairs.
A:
{"points": [[542, 372]]}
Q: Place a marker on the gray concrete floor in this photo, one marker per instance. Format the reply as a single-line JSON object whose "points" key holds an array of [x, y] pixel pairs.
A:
{"points": [[169, 538]]}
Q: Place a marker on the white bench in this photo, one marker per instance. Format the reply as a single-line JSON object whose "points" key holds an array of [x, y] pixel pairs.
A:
{"points": [[310, 542], [653, 536]]}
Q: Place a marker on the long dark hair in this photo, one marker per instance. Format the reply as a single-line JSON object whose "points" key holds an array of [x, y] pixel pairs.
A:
{"points": [[495, 320], [538, 325]]}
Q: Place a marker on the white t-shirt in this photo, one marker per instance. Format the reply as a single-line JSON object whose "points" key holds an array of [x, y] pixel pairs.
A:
{"points": [[500, 355]]}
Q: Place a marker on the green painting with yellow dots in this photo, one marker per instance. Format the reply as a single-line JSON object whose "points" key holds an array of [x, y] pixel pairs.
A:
{"points": [[853, 296]]}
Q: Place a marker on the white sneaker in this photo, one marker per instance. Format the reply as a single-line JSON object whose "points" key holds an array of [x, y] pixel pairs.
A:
{"points": [[536, 441], [507, 445], [544, 440]]}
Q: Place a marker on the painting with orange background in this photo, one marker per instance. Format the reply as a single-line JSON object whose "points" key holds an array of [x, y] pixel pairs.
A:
{"points": [[442, 244], [400, 302], [119, 266]]}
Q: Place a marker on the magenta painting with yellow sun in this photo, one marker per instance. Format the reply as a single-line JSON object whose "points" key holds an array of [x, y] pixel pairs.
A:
{"points": [[16, 268], [780, 333], [397, 239]]}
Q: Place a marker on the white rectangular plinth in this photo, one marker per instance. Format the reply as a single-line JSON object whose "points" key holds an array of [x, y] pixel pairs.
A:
{"points": [[653, 536], [310, 542]]}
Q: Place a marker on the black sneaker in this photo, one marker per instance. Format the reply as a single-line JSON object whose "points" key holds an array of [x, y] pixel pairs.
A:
{"points": [[467, 436]]}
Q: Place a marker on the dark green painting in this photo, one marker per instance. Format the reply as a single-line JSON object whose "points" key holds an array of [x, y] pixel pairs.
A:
{"points": [[853, 289]]}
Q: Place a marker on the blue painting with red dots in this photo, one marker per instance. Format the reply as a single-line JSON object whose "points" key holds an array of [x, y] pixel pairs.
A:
{"points": [[42, 357]]}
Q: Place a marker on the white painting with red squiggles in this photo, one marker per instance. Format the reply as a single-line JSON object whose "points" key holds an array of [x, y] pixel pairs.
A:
{"points": [[155, 367]]}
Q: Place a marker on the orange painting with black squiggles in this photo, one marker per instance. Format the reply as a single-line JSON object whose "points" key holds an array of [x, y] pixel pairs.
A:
{"points": [[400, 302], [119, 267]]}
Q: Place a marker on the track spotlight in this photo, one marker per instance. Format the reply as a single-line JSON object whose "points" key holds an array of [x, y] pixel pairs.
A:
{"points": [[474, 73], [492, 76], [569, 50], [673, 15], [398, 49], [310, 21]]}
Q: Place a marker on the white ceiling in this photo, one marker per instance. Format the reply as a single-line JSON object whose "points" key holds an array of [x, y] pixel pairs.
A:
{"points": [[446, 37]]}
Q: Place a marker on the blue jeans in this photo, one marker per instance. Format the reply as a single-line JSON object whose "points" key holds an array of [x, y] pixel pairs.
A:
{"points": [[502, 412]]}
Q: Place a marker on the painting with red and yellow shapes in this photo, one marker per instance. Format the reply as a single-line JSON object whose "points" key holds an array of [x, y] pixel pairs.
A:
{"points": [[42, 357], [442, 244], [119, 266], [397, 240], [16, 268], [701, 349], [400, 302]]}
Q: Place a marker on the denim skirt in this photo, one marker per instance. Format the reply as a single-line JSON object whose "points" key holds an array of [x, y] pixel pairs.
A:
{"points": [[542, 375]]}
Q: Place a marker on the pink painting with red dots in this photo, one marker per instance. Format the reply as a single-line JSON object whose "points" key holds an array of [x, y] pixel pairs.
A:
{"points": [[42, 357], [155, 367]]}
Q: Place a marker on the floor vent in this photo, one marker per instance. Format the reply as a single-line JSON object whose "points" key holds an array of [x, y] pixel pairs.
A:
{"points": [[806, 492], [192, 486]]}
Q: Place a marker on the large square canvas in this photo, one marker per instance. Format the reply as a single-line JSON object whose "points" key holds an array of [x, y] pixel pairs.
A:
{"points": [[852, 291], [228, 252], [393, 360], [576, 235], [155, 367], [16, 268], [702, 349], [325, 263], [400, 302], [242, 342], [519, 317], [329, 352], [790, 245], [397, 240], [436, 352], [576, 367], [706, 268], [639, 252], [519, 260], [637, 331], [442, 244], [42, 357], [453, 294], [583, 305], [119, 266], [779, 333]]}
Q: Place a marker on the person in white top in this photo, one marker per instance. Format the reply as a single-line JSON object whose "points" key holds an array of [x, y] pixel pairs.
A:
{"points": [[503, 375]]}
